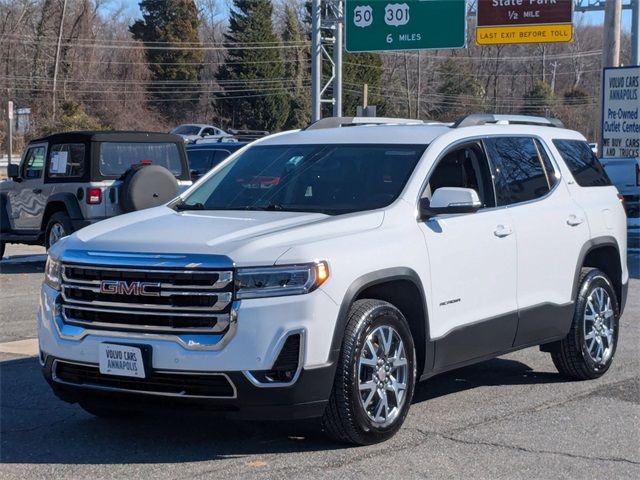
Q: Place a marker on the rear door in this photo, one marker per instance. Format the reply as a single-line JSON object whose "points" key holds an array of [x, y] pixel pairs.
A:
{"points": [[472, 260], [28, 200], [550, 231]]}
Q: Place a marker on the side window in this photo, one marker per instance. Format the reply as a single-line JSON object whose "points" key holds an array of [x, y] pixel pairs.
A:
{"points": [[67, 160], [200, 161], [465, 167], [33, 163], [518, 169], [208, 131], [585, 167], [219, 157]]}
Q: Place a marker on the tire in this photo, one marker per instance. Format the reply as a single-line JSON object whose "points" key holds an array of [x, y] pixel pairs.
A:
{"points": [[2, 245], [346, 419], [58, 226], [588, 350], [101, 411], [146, 187]]}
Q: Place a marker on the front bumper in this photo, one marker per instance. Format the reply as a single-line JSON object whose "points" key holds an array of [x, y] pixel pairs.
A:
{"points": [[260, 329], [307, 398]]}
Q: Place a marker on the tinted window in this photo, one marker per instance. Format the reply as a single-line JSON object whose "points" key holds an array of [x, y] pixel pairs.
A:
{"points": [[67, 160], [331, 179], [187, 130], [34, 163], [585, 167], [200, 161], [117, 157], [464, 167], [517, 169]]}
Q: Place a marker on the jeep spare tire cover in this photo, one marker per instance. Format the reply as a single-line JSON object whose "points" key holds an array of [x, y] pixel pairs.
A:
{"points": [[146, 187]]}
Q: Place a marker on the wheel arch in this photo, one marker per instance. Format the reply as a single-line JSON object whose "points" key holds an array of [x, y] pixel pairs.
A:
{"points": [[401, 287], [61, 202], [602, 253]]}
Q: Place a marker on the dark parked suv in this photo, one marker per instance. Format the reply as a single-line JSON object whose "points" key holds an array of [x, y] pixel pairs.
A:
{"points": [[67, 181]]}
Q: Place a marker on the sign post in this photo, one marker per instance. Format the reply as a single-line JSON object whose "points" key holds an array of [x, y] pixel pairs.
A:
{"points": [[503, 22], [621, 112], [379, 25], [9, 130]]}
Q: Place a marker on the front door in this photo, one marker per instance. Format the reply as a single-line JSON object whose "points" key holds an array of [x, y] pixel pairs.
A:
{"points": [[472, 259], [27, 200]]}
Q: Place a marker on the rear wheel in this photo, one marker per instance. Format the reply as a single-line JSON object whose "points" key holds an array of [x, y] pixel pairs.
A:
{"points": [[58, 226], [375, 376], [587, 351]]}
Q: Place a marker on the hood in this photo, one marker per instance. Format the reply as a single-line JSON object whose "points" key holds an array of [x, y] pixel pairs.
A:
{"points": [[248, 238]]}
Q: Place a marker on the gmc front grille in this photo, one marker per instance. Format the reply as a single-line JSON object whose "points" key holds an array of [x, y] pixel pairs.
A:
{"points": [[173, 301]]}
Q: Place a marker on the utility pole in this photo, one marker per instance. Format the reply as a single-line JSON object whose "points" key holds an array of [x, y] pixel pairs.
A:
{"points": [[57, 59], [635, 32], [337, 59], [326, 31], [611, 43], [316, 60]]}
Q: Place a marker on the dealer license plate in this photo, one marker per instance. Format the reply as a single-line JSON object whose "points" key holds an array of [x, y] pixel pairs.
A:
{"points": [[121, 360]]}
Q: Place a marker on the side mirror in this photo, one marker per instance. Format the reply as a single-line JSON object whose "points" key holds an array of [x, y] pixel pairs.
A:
{"points": [[13, 171], [448, 201]]}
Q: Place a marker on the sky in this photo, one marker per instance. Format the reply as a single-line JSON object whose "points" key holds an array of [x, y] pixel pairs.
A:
{"points": [[131, 8]]}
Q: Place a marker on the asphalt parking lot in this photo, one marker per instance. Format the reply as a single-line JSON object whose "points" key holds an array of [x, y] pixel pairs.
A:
{"points": [[511, 417]]}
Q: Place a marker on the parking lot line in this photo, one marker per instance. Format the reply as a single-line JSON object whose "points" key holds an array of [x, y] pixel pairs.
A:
{"points": [[28, 347]]}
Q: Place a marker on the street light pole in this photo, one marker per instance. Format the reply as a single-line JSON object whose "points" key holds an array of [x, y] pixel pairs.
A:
{"points": [[57, 60]]}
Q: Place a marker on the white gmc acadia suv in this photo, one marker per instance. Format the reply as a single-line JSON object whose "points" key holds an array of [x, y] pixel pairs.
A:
{"points": [[321, 273]]}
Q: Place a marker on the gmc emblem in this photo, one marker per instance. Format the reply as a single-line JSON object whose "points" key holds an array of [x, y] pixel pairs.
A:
{"points": [[122, 287]]}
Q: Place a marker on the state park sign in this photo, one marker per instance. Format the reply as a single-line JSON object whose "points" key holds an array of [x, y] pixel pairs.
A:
{"points": [[503, 22], [380, 25]]}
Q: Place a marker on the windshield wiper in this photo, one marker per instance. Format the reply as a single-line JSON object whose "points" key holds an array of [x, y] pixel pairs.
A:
{"points": [[182, 206]]}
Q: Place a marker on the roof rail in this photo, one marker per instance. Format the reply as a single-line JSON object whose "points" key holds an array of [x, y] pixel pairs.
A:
{"points": [[336, 122], [483, 118]]}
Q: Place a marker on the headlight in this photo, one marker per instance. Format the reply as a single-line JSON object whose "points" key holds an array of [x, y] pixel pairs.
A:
{"points": [[52, 272], [277, 281]]}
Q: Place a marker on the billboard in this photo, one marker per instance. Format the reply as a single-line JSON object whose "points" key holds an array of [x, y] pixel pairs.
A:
{"points": [[621, 112]]}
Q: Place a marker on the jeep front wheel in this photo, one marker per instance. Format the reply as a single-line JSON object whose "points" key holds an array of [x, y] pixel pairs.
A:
{"points": [[58, 226], [375, 375]]}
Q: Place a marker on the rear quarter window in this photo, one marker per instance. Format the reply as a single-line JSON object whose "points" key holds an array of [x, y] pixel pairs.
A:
{"points": [[584, 165]]}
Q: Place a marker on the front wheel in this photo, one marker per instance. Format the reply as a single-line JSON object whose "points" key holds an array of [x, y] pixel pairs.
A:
{"points": [[375, 375], [587, 351]]}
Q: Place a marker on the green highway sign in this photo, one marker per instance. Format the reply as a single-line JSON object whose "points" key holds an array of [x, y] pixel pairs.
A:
{"points": [[381, 25]]}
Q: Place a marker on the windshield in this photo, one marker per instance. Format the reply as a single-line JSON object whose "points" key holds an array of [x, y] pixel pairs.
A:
{"points": [[117, 157], [329, 179], [186, 130]]}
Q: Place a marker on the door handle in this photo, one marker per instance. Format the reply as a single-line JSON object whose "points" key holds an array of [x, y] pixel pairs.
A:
{"points": [[502, 231], [574, 221], [37, 190]]}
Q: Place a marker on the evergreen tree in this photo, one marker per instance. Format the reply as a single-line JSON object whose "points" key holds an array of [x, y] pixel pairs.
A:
{"points": [[171, 22], [296, 67], [459, 92], [263, 103], [541, 100]]}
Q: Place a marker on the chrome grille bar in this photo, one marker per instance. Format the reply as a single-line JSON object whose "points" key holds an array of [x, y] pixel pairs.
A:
{"points": [[187, 300]]}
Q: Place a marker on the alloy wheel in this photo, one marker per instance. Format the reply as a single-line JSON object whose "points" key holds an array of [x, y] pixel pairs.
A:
{"points": [[383, 373], [599, 324]]}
